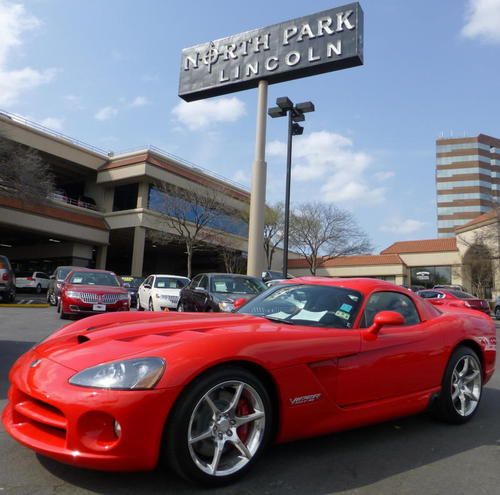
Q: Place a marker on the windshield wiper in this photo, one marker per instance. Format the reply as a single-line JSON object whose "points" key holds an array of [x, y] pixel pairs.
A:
{"points": [[277, 320]]}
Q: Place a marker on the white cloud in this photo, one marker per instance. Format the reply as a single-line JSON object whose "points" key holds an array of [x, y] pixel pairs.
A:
{"points": [[200, 114], [139, 101], [329, 157], [242, 177], [384, 175], [403, 226], [483, 21], [14, 23], [73, 101], [54, 123], [106, 113]]}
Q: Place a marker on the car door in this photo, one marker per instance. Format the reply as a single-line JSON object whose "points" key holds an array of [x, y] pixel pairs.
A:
{"points": [[396, 361], [200, 294], [144, 292], [187, 294]]}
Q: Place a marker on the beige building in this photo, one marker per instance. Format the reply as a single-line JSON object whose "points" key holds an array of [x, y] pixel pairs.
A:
{"points": [[108, 209]]}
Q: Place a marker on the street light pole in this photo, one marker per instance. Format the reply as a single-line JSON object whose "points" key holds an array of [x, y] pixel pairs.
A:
{"points": [[287, 194], [295, 114]]}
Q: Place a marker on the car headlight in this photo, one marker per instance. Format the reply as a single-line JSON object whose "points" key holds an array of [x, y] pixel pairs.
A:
{"points": [[226, 306], [74, 294], [129, 374]]}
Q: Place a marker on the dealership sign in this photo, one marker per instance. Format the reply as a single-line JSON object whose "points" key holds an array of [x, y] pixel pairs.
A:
{"points": [[314, 44]]}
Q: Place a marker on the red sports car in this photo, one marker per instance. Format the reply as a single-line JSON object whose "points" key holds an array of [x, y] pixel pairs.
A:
{"points": [[88, 291], [454, 297], [208, 392]]}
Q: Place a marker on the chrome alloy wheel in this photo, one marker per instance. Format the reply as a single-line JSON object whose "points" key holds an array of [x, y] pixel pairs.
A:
{"points": [[466, 384], [226, 428]]}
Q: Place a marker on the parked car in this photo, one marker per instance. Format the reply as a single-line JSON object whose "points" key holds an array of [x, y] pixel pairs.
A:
{"points": [[160, 292], [7, 281], [218, 291], [87, 291], [132, 285], [455, 298], [496, 308], [452, 287], [56, 282], [273, 275], [208, 393], [34, 281]]}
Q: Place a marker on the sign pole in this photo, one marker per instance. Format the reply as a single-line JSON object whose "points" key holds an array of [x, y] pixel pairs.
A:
{"points": [[255, 263]]}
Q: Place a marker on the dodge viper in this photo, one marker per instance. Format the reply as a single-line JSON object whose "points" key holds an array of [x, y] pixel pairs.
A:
{"points": [[207, 393]]}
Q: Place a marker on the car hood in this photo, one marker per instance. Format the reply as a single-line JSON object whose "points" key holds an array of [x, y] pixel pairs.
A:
{"points": [[144, 335], [168, 292], [100, 289]]}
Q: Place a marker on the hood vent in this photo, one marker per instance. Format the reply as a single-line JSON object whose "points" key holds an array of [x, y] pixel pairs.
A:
{"points": [[82, 338]]}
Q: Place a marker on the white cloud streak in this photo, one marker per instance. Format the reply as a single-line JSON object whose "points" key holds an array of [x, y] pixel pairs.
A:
{"points": [[483, 21], [329, 158], [14, 23], [403, 226], [139, 101], [106, 113], [202, 114], [55, 123]]}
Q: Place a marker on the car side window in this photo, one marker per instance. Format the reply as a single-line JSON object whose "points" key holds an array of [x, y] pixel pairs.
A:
{"points": [[195, 281], [203, 282], [148, 281], [429, 294], [390, 301]]}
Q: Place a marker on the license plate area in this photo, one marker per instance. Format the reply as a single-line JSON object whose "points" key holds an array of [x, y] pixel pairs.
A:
{"points": [[99, 307]]}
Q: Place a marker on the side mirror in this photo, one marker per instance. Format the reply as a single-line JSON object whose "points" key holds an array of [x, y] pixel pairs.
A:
{"points": [[147, 286], [241, 301], [202, 290], [52, 277], [385, 318]]}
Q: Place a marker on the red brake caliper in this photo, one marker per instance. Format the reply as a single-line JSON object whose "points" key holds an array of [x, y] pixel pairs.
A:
{"points": [[243, 409]]}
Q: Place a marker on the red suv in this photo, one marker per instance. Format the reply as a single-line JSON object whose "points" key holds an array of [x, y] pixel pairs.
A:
{"points": [[88, 291]]}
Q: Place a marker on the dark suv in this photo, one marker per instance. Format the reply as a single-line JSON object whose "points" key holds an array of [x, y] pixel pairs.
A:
{"points": [[7, 281], [56, 282]]}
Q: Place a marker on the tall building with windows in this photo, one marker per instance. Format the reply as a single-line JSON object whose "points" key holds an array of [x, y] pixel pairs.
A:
{"points": [[467, 180]]}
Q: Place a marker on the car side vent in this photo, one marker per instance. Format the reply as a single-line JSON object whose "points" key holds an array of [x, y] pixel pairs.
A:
{"points": [[82, 338]]}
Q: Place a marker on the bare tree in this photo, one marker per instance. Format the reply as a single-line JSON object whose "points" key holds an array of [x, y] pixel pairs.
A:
{"points": [[321, 232], [23, 172], [233, 260], [188, 216], [273, 230]]}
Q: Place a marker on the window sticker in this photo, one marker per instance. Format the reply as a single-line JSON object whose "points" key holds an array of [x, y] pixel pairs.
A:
{"points": [[161, 285], [303, 314], [354, 298], [77, 280], [346, 307], [342, 314]]}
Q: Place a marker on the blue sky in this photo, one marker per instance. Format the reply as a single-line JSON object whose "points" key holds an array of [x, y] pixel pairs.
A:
{"points": [[106, 72]]}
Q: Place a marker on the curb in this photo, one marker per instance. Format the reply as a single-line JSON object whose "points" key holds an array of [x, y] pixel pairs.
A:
{"points": [[34, 305]]}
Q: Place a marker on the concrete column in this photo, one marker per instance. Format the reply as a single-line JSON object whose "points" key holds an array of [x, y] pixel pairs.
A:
{"points": [[101, 257], [108, 197], [256, 258], [138, 251], [142, 195]]}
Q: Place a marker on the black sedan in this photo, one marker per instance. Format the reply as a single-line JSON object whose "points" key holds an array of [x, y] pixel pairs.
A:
{"points": [[218, 291], [132, 285]]}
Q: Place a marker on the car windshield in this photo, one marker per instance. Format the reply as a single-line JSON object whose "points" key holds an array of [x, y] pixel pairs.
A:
{"points": [[94, 278], [63, 273], [310, 305], [460, 294], [170, 282], [236, 285], [132, 282], [24, 274]]}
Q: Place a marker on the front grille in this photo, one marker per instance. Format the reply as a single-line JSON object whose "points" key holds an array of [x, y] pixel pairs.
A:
{"points": [[91, 298], [171, 299], [40, 418]]}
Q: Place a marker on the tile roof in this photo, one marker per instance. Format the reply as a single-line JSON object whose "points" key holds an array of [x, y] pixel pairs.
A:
{"points": [[422, 246], [481, 218], [361, 260]]}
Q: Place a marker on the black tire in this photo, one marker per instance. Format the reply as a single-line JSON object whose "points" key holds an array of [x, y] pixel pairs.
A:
{"points": [[180, 308], [497, 313], [51, 298], [38, 289], [150, 305], [12, 296], [175, 445], [443, 408], [63, 315]]}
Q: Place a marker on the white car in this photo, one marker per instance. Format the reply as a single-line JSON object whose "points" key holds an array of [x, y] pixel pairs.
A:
{"points": [[36, 281], [160, 292]]}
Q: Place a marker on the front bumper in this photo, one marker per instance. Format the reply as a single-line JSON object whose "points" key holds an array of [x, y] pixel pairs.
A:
{"points": [[76, 306], [76, 425]]}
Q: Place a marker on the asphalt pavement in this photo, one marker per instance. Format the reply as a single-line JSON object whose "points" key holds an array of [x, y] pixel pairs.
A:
{"points": [[411, 456]]}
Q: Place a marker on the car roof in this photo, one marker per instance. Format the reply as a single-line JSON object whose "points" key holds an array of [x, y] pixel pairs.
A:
{"points": [[165, 275], [360, 284], [235, 275]]}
